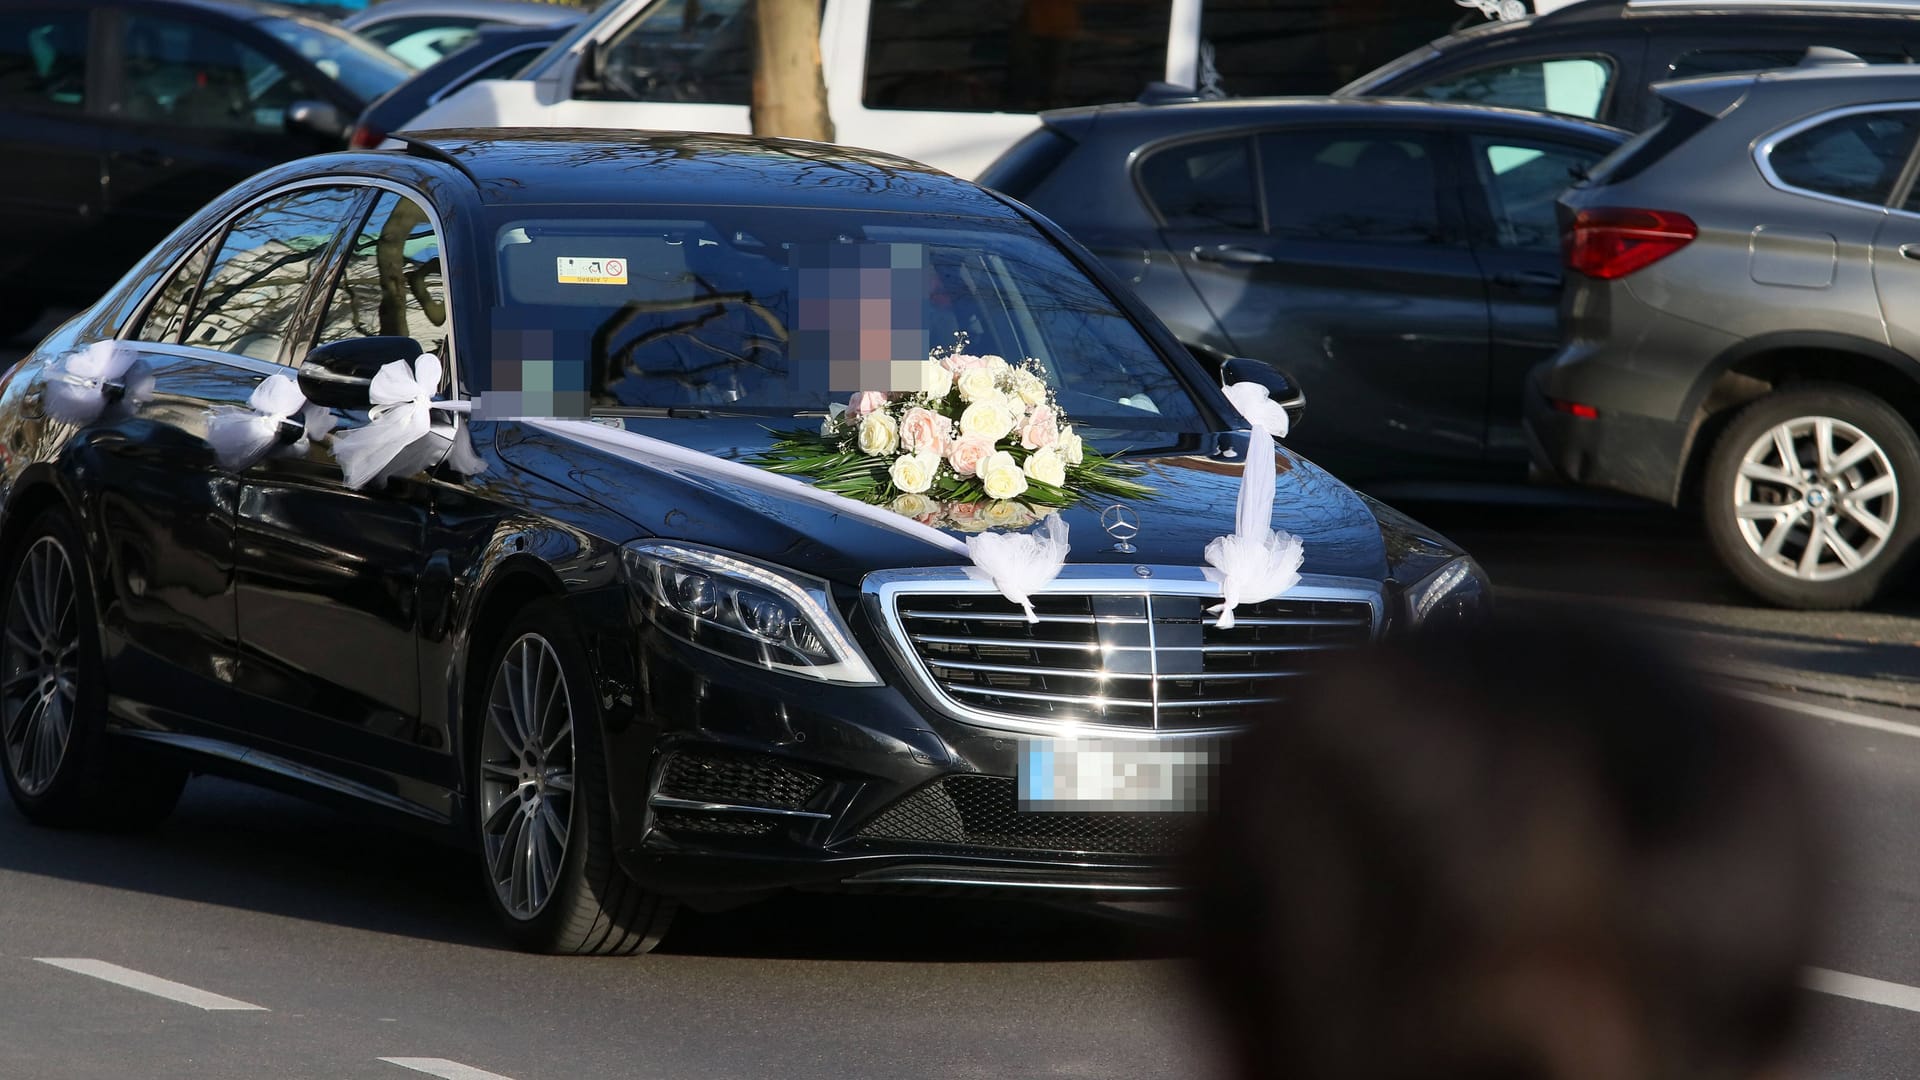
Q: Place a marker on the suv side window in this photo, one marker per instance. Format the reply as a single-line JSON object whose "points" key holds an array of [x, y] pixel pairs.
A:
{"points": [[1857, 157], [43, 59], [682, 50], [392, 284], [1570, 85], [1203, 185], [1012, 55], [1520, 181], [266, 260], [1344, 184]]}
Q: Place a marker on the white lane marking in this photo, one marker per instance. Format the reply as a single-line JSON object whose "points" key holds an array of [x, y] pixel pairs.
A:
{"points": [[151, 984], [1911, 731], [1861, 988], [446, 1070]]}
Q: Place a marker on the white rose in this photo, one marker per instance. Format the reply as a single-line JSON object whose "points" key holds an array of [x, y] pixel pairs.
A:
{"points": [[1045, 466], [995, 364], [913, 473], [990, 419], [913, 506], [935, 379], [976, 384], [1029, 388], [1002, 478], [879, 434], [1070, 447]]}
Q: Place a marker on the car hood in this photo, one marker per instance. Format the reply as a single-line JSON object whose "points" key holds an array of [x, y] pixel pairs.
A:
{"points": [[1193, 502]]}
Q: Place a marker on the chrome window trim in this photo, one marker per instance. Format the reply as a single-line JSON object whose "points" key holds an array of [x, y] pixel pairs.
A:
{"points": [[122, 332], [882, 589], [1764, 146]]}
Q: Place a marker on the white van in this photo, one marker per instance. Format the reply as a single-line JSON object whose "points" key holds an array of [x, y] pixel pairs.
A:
{"points": [[948, 82]]}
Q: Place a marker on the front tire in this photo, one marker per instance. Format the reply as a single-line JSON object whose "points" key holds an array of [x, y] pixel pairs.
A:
{"points": [[1812, 496], [541, 805], [62, 767]]}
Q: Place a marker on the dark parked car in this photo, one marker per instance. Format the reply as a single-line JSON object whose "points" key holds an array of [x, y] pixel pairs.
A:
{"points": [[1741, 326], [124, 118], [1596, 59], [623, 679], [1401, 258], [495, 52], [422, 33]]}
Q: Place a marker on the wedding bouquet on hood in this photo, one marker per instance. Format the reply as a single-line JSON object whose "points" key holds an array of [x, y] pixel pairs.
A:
{"points": [[979, 432]]}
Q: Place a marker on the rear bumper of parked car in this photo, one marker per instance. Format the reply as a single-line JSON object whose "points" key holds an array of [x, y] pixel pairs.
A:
{"points": [[1612, 449]]}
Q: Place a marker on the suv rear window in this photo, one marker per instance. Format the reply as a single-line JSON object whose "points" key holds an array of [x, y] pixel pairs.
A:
{"points": [[1857, 157]]}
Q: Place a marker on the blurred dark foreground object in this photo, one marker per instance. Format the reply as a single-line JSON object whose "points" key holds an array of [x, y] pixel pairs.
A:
{"points": [[1525, 852]]}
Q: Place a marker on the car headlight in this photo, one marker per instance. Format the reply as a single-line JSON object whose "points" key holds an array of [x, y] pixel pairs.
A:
{"points": [[1454, 595], [751, 613]]}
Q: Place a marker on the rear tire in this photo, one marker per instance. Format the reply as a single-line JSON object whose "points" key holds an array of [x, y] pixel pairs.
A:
{"points": [[62, 767], [1812, 496], [541, 809]]}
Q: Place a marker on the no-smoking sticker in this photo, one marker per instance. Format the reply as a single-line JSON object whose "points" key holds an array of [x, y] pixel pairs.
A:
{"points": [[583, 271]]}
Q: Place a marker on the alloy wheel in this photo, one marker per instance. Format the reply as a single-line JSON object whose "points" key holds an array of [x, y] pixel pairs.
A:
{"points": [[39, 666], [1816, 498], [526, 776]]}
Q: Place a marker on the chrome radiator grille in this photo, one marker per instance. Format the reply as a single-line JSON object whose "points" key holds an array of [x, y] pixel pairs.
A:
{"points": [[1147, 660]]}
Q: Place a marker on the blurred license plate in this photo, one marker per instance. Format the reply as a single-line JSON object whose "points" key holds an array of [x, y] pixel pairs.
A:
{"points": [[1114, 775]]}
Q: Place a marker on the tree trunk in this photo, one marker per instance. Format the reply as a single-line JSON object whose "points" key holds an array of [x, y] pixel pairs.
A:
{"points": [[789, 92]]}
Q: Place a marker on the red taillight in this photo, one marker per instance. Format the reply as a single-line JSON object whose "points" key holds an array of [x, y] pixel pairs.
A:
{"points": [[1574, 408], [1611, 242], [366, 138]]}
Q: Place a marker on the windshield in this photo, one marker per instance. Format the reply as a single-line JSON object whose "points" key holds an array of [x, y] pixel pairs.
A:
{"points": [[783, 312], [363, 68]]}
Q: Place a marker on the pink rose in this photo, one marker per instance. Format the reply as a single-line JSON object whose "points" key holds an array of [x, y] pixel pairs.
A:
{"points": [[967, 452], [959, 362], [961, 511], [924, 429], [1042, 429], [865, 402]]}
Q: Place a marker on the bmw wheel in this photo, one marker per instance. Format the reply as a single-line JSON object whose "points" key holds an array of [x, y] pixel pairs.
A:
{"points": [[1810, 496], [541, 806], [61, 765]]}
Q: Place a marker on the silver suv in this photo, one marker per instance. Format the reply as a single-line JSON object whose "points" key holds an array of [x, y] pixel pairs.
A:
{"points": [[1742, 325]]}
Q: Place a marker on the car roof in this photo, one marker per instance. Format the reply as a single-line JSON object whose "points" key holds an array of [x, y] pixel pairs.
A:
{"points": [[584, 166], [247, 10], [521, 12], [1593, 13], [1171, 118]]}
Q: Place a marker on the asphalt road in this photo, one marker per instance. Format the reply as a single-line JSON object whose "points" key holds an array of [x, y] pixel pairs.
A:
{"points": [[297, 943]]}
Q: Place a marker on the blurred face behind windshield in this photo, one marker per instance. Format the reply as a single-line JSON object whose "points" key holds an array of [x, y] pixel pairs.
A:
{"points": [[784, 312]]}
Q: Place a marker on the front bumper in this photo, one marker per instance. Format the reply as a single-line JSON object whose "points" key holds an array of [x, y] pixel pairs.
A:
{"points": [[1618, 451]]}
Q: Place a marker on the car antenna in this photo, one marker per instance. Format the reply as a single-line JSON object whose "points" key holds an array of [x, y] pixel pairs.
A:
{"points": [[425, 149]]}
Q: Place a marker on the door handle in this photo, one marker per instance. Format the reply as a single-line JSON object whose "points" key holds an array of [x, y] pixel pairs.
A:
{"points": [[1522, 279], [1231, 254], [1910, 251]]}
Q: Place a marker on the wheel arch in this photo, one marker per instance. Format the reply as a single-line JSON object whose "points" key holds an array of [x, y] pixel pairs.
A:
{"points": [[1761, 365]]}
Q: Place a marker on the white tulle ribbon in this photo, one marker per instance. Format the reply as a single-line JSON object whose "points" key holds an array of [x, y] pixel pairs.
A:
{"points": [[1255, 562], [1021, 564], [391, 443], [241, 437], [79, 385]]}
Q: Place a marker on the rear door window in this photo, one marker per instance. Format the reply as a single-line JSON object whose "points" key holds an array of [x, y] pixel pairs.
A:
{"points": [[1343, 184], [43, 60], [1012, 55], [1520, 181], [1857, 157], [1571, 85], [1204, 185], [261, 274]]}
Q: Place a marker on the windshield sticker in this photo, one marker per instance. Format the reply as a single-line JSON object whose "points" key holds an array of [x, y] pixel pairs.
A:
{"points": [[592, 271]]}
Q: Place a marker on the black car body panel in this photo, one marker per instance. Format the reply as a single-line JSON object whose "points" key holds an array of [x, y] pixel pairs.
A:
{"points": [[276, 625], [1415, 350]]}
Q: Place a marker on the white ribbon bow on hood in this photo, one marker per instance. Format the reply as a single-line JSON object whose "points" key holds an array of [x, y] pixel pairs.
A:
{"points": [[1255, 562], [402, 414], [1020, 564]]}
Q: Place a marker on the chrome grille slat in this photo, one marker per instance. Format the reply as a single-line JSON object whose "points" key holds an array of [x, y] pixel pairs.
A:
{"points": [[1116, 655]]}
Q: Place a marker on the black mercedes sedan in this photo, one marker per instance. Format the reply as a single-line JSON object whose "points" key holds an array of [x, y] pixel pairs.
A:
{"points": [[576, 628]]}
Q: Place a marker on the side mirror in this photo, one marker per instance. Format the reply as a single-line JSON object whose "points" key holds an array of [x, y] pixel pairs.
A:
{"points": [[339, 375], [587, 82], [317, 119], [1281, 386]]}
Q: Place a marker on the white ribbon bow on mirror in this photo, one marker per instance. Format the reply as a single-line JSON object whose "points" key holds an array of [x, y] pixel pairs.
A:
{"points": [[401, 416]]}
